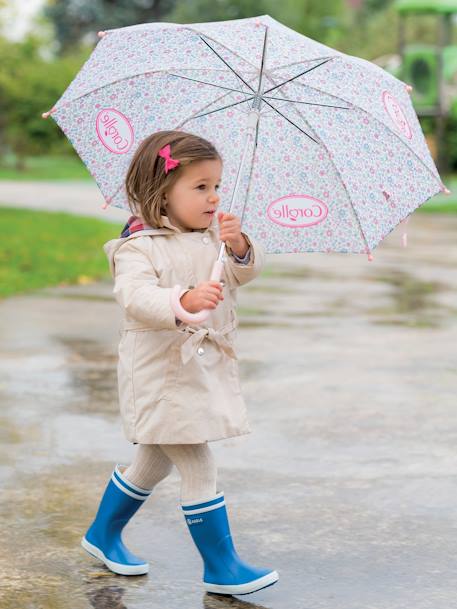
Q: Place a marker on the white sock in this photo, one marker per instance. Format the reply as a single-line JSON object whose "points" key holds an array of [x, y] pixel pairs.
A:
{"points": [[198, 470], [195, 462], [150, 466]]}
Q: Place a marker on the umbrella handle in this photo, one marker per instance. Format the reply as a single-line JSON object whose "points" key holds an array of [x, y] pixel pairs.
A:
{"points": [[177, 292]]}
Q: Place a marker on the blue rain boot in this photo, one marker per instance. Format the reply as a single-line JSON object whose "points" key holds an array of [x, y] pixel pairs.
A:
{"points": [[224, 571], [103, 540]]}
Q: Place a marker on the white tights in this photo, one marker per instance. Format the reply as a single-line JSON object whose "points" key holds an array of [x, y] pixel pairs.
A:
{"points": [[195, 462]]}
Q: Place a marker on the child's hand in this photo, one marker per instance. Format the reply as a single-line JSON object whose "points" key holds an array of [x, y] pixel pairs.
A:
{"points": [[205, 296], [230, 232]]}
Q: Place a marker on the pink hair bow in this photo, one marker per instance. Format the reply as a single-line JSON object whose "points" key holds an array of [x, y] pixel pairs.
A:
{"points": [[170, 163]]}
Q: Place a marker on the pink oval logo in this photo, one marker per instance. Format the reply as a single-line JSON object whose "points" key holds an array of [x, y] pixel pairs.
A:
{"points": [[297, 211], [397, 115], [114, 130]]}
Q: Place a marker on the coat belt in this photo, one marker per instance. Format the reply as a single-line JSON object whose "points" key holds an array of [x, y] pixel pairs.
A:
{"points": [[191, 344]]}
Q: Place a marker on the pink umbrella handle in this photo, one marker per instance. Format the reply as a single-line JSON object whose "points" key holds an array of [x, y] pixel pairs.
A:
{"points": [[177, 292]]}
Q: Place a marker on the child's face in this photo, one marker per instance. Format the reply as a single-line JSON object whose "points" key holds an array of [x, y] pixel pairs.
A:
{"points": [[194, 194]]}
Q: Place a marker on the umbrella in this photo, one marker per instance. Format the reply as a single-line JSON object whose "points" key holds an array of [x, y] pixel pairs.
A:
{"points": [[322, 151]]}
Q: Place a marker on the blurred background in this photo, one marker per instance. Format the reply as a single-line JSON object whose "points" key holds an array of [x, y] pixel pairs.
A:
{"points": [[347, 366], [43, 44]]}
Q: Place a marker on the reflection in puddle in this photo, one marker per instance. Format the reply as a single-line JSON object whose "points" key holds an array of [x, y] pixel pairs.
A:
{"points": [[92, 376], [412, 302], [109, 597], [220, 601], [54, 471], [298, 272], [269, 289]]}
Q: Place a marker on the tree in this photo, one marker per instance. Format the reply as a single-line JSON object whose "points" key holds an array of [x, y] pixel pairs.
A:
{"points": [[321, 20], [30, 85], [217, 10], [75, 19]]}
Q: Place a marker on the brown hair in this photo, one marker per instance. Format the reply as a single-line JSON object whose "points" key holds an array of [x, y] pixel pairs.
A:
{"points": [[146, 180]]}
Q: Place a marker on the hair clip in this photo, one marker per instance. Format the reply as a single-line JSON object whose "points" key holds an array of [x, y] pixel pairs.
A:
{"points": [[170, 163]]}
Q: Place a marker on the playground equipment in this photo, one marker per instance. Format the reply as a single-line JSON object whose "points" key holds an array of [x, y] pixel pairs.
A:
{"points": [[430, 69]]}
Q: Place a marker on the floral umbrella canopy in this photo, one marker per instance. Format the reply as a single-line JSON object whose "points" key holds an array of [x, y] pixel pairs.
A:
{"points": [[337, 157]]}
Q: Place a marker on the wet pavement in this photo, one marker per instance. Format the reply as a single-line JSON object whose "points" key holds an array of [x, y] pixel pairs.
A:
{"points": [[347, 485]]}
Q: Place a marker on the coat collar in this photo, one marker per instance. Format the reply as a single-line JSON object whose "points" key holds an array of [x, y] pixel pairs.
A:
{"points": [[135, 224]]}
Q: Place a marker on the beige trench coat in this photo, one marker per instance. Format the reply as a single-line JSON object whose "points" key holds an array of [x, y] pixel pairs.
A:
{"points": [[178, 384]]}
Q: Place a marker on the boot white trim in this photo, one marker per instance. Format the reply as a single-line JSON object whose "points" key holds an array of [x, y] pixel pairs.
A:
{"points": [[126, 490], [205, 509], [116, 567], [247, 588], [204, 500], [127, 481]]}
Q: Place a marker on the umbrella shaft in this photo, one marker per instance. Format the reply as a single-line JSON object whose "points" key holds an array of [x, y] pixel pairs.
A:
{"points": [[250, 129]]}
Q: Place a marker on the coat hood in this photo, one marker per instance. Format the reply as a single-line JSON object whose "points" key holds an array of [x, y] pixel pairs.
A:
{"points": [[136, 227]]}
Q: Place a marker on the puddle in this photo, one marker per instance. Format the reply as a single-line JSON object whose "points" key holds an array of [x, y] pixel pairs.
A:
{"points": [[299, 272], [412, 302], [319, 313], [330, 438], [43, 566], [251, 311], [269, 289], [261, 323], [92, 376]]}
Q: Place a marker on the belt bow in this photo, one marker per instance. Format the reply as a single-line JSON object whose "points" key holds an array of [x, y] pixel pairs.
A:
{"points": [[191, 344]]}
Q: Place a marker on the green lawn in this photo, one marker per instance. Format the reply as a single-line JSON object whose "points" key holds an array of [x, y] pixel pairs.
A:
{"points": [[40, 249], [45, 168], [72, 168], [443, 204]]}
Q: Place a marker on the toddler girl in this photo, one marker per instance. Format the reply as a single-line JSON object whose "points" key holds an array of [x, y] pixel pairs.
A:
{"points": [[178, 384]]}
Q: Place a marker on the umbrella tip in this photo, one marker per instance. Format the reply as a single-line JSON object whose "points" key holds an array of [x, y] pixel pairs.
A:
{"points": [[46, 114], [101, 34], [370, 258], [446, 190], [409, 88]]}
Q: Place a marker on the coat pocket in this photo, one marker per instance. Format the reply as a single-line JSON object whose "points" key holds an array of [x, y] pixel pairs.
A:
{"points": [[155, 368], [173, 371], [233, 369]]}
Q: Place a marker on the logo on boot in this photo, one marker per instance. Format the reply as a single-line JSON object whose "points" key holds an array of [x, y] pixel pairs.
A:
{"points": [[194, 520]]}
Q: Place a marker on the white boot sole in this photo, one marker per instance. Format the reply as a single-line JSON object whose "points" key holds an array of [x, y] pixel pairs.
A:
{"points": [[253, 586], [116, 567]]}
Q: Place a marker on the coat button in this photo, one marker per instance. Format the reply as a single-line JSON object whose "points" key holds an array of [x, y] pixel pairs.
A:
{"points": [[200, 351], [205, 240]]}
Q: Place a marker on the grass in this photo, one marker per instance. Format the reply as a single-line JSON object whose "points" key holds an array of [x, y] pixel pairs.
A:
{"points": [[440, 204], [72, 168], [45, 168], [40, 249]]}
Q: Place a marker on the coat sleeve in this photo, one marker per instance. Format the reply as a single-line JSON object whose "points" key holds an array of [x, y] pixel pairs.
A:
{"points": [[136, 287], [239, 273]]}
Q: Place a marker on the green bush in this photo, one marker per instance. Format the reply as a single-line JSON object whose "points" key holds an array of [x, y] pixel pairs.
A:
{"points": [[29, 86]]}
